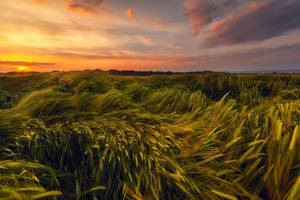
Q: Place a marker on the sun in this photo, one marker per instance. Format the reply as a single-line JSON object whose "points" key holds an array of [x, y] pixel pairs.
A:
{"points": [[22, 68]]}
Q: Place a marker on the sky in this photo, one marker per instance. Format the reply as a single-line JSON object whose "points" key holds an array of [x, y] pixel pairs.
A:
{"points": [[164, 35]]}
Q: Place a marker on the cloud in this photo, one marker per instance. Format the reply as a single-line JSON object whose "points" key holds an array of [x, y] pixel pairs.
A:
{"points": [[255, 21], [200, 13], [284, 55], [87, 6], [81, 9], [85, 3], [7, 66], [203, 12], [144, 40], [29, 64], [37, 2], [160, 22], [230, 3], [130, 13]]}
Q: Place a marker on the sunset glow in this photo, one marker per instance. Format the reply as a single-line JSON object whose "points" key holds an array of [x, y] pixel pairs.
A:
{"points": [[22, 68], [189, 35]]}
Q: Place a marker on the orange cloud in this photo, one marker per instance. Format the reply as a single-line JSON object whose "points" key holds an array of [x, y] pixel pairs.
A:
{"points": [[91, 7], [37, 2], [130, 13], [24, 63], [144, 40], [23, 66], [81, 9]]}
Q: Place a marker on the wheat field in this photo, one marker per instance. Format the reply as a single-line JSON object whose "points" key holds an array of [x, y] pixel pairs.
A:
{"points": [[93, 135]]}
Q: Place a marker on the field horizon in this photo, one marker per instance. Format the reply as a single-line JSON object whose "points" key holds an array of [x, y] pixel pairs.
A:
{"points": [[129, 72]]}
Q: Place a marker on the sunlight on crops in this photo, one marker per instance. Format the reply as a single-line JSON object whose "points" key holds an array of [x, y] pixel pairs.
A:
{"points": [[92, 135]]}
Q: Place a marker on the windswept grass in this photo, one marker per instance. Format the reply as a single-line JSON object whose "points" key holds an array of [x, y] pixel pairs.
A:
{"points": [[90, 135]]}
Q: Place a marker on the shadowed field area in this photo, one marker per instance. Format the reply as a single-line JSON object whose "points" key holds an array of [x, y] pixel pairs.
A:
{"points": [[94, 135]]}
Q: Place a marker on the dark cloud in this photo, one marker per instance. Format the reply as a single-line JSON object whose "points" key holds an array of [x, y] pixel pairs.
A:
{"points": [[86, 3], [231, 3], [200, 13], [203, 12], [284, 55], [29, 64], [255, 21]]}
